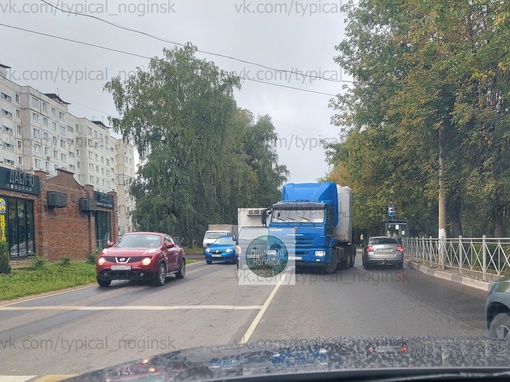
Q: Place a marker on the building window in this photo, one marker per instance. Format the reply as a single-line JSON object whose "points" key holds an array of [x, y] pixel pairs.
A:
{"points": [[61, 116], [6, 97], [35, 102], [89, 131], [53, 126], [8, 146], [91, 178], [63, 157], [48, 166], [45, 107], [6, 114], [54, 140], [97, 169], [18, 129], [37, 148], [97, 158], [46, 151], [69, 128], [91, 155], [8, 130], [63, 143], [55, 154], [20, 161], [62, 130], [20, 227], [45, 122], [20, 145], [91, 167], [18, 98], [53, 112], [37, 133], [38, 163], [18, 113], [46, 137], [8, 161], [35, 117]]}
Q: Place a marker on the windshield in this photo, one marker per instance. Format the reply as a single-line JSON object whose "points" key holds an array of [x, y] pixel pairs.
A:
{"points": [[296, 215], [141, 241], [134, 134]]}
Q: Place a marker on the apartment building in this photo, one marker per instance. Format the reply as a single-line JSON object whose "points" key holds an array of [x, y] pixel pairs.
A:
{"points": [[38, 133]]}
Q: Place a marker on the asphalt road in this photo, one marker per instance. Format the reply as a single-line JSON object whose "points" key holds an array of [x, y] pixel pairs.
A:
{"points": [[89, 328]]}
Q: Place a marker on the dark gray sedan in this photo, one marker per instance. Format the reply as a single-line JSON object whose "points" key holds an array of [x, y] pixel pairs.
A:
{"points": [[497, 309], [383, 250]]}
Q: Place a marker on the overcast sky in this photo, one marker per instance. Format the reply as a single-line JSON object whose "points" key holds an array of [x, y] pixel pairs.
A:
{"points": [[285, 34]]}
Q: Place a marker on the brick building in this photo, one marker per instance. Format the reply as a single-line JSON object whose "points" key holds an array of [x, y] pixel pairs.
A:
{"points": [[54, 216]]}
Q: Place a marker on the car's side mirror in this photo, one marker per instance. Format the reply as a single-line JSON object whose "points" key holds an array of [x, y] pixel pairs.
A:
{"points": [[110, 244], [169, 244]]}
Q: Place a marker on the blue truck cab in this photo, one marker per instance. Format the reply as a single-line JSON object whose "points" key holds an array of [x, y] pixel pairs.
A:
{"points": [[314, 221]]}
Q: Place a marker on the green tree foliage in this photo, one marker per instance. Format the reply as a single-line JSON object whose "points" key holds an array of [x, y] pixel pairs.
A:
{"points": [[202, 157], [427, 75]]}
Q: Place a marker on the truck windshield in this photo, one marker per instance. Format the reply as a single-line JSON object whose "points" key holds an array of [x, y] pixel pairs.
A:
{"points": [[300, 216]]}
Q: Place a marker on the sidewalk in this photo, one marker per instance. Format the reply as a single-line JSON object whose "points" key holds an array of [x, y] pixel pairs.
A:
{"points": [[469, 278]]}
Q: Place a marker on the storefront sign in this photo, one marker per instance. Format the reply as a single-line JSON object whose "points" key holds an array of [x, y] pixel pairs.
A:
{"points": [[3, 236], [103, 200], [3, 206], [16, 180]]}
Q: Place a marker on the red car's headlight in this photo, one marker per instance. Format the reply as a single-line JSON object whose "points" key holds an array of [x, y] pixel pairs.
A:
{"points": [[146, 261]]}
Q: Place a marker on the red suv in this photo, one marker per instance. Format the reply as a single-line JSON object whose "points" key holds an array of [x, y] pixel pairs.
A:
{"points": [[149, 256]]}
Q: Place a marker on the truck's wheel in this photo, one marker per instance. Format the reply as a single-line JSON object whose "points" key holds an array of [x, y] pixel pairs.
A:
{"points": [[353, 257], [344, 259], [331, 266]]}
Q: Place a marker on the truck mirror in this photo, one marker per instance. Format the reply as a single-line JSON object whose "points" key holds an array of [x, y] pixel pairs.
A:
{"points": [[234, 237]]}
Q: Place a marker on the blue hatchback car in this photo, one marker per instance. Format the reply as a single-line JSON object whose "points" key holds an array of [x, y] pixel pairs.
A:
{"points": [[223, 249]]}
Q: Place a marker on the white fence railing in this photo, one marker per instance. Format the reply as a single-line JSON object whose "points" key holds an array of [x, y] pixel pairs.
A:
{"points": [[482, 258]]}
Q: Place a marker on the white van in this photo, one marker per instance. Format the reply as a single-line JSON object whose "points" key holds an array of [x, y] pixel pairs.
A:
{"points": [[211, 236]]}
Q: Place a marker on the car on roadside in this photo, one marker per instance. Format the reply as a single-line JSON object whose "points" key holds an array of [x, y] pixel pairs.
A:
{"points": [[223, 249], [141, 256], [383, 250], [497, 310]]}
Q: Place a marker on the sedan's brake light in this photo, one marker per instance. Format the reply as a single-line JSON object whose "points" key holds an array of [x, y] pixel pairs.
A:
{"points": [[370, 248], [400, 248]]}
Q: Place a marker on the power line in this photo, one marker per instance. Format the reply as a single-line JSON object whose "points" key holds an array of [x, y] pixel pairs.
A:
{"points": [[198, 50], [149, 58]]}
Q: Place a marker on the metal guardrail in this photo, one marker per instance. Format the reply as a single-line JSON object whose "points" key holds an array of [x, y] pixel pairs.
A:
{"points": [[481, 258]]}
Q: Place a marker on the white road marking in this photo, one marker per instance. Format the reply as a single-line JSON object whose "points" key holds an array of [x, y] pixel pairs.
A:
{"points": [[257, 319], [16, 378], [132, 307]]}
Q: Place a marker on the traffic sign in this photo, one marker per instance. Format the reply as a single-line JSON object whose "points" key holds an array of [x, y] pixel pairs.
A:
{"points": [[391, 210]]}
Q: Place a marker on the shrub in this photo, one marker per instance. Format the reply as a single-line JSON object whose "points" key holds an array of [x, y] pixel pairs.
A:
{"points": [[65, 261], [5, 266], [92, 257], [38, 262]]}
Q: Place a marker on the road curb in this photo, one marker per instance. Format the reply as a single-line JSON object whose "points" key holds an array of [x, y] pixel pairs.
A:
{"points": [[467, 281]]}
